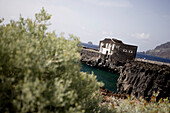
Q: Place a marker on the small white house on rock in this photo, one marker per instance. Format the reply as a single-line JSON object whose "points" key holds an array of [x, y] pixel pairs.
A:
{"points": [[107, 45], [116, 49]]}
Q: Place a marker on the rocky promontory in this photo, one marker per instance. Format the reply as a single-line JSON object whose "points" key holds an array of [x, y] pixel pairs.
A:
{"points": [[142, 79], [162, 50], [136, 77], [94, 58]]}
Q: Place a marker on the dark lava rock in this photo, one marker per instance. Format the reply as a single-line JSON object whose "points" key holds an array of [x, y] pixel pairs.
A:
{"points": [[138, 78], [94, 58], [142, 79], [106, 92]]}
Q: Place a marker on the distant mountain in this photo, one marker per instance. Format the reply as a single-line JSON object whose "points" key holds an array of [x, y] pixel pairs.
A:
{"points": [[90, 43], [162, 50]]}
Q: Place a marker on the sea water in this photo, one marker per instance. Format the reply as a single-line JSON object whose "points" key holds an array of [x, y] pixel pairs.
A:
{"points": [[152, 58], [109, 79]]}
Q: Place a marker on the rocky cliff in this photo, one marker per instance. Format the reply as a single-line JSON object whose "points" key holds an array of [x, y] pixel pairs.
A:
{"points": [[136, 77], [141, 79], [94, 58], [162, 50]]}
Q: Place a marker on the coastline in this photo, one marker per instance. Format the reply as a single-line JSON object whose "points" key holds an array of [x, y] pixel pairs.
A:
{"points": [[139, 77], [152, 62]]}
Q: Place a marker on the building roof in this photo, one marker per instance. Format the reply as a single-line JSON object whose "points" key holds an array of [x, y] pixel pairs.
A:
{"points": [[112, 40]]}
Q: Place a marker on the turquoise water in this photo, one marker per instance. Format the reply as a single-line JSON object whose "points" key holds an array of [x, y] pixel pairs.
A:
{"points": [[109, 79]]}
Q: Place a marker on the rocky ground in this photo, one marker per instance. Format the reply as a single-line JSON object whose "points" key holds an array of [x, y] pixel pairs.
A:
{"points": [[111, 98], [140, 78], [95, 59], [120, 103]]}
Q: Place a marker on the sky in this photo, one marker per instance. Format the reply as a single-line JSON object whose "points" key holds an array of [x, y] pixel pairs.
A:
{"points": [[145, 23]]}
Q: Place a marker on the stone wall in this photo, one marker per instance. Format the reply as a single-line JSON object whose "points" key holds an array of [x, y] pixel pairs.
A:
{"points": [[94, 58], [122, 53], [141, 79]]}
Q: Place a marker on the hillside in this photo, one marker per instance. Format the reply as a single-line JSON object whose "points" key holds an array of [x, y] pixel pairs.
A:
{"points": [[162, 50]]}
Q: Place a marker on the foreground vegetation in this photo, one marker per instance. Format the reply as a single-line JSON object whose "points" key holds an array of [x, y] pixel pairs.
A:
{"points": [[40, 72], [134, 105]]}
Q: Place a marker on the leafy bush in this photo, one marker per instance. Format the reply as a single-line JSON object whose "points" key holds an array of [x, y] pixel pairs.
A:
{"points": [[134, 105], [40, 72]]}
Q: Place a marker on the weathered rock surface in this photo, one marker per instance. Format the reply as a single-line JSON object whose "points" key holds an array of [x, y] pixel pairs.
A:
{"points": [[94, 58], [162, 50], [136, 77], [141, 79]]}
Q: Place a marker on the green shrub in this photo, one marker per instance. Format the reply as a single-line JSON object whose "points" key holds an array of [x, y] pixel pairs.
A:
{"points": [[134, 105], [40, 72]]}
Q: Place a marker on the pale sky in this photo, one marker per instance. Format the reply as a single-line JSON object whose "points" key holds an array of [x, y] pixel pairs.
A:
{"points": [[145, 23]]}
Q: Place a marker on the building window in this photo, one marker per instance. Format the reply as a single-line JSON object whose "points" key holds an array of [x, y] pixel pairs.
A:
{"points": [[101, 46], [117, 47], [124, 50], [130, 51], [107, 45], [113, 46]]}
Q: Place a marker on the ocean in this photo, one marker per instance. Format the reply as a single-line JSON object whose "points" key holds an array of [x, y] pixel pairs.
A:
{"points": [[110, 79], [153, 58]]}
